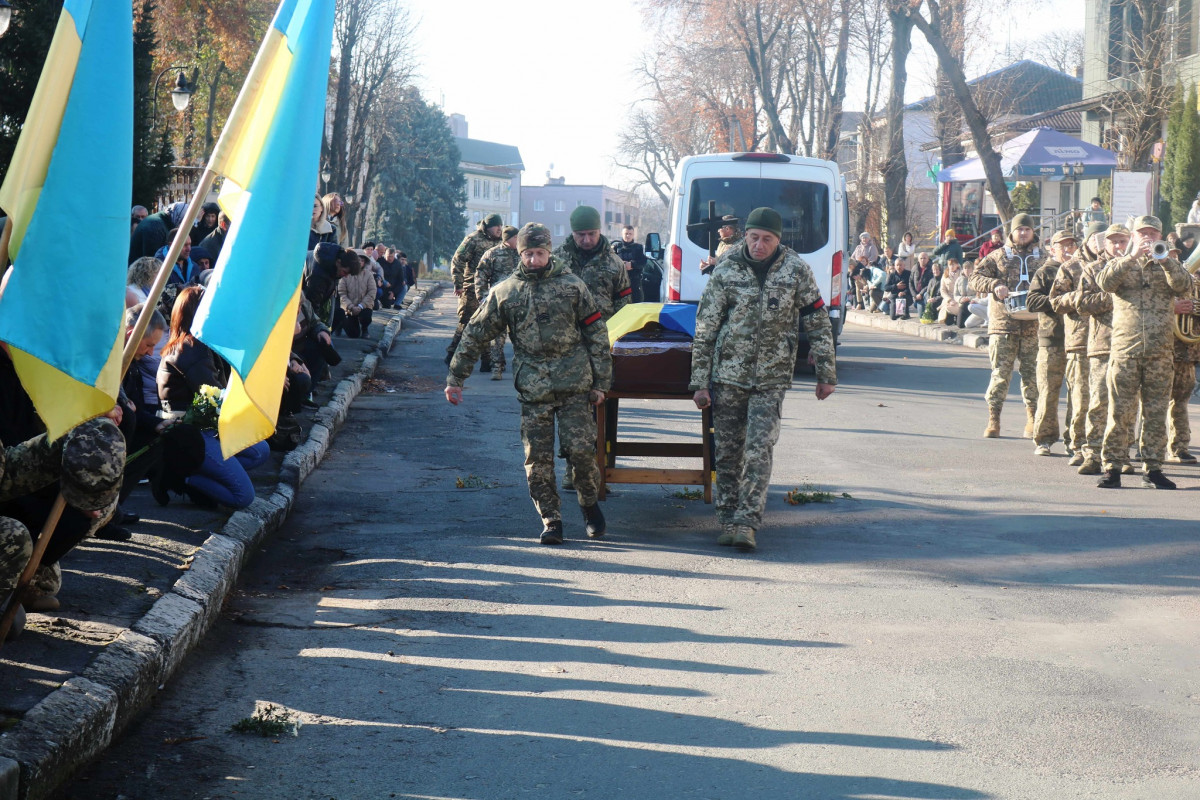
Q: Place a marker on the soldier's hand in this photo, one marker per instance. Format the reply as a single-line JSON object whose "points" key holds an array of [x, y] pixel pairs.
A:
{"points": [[1185, 305], [1001, 292], [116, 414], [824, 390], [596, 397], [454, 394], [702, 398]]}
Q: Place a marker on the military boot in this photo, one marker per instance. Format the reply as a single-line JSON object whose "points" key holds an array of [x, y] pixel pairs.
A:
{"points": [[553, 533], [728, 532], [485, 363], [1030, 414], [594, 518], [18, 624], [1154, 479], [498, 372], [992, 431], [743, 538], [1090, 466], [1111, 480], [1076, 459]]}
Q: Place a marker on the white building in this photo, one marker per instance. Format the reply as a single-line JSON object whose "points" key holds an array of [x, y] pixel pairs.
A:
{"points": [[492, 174]]}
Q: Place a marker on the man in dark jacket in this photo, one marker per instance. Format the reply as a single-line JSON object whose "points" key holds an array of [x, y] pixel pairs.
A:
{"points": [[326, 265], [152, 232], [949, 248], [209, 212], [634, 257], [216, 239], [899, 288], [1052, 354]]}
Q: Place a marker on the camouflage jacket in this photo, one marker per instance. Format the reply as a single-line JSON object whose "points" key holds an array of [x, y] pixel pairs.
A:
{"points": [[1143, 292], [747, 334], [496, 264], [559, 339], [466, 257], [1005, 266], [1050, 322], [728, 244], [1091, 300], [1064, 294], [603, 273]]}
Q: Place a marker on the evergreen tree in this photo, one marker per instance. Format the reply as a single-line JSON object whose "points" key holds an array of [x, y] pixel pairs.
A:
{"points": [[151, 155], [1166, 187], [1186, 178], [22, 55]]}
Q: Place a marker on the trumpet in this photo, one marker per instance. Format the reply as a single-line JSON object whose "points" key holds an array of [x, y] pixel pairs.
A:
{"points": [[1158, 250]]}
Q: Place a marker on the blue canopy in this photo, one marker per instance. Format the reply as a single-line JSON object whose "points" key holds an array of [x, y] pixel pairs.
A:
{"points": [[1040, 153]]}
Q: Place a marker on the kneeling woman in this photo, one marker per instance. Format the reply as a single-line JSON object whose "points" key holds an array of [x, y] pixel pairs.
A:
{"points": [[188, 364]]}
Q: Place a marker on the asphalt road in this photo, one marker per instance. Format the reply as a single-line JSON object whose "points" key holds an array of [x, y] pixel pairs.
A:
{"points": [[970, 622]]}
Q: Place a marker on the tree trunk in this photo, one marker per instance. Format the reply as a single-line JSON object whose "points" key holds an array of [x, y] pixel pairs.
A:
{"points": [[838, 97], [212, 104], [895, 167], [975, 120]]}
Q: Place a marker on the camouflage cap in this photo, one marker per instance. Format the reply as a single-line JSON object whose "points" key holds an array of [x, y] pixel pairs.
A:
{"points": [[730, 220], [532, 235], [1062, 236], [1147, 221], [509, 232], [1116, 229], [93, 464]]}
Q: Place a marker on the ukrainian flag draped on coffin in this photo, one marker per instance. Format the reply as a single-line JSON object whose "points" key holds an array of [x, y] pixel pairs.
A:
{"points": [[67, 192], [268, 153]]}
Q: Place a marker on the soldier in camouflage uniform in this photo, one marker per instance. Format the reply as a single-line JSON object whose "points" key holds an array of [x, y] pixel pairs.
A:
{"points": [[497, 264], [462, 268], [730, 237], [747, 334], [1052, 354], [1010, 340], [1182, 386], [590, 255], [562, 367], [1141, 365], [88, 463], [1063, 298]]}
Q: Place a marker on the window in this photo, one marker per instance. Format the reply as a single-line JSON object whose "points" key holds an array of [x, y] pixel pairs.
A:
{"points": [[559, 231], [476, 216], [539, 205], [487, 194], [476, 190], [1185, 24], [496, 189], [804, 207], [559, 205], [608, 218]]}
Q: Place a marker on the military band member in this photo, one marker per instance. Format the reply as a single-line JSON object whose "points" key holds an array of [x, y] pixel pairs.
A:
{"points": [[1141, 365], [747, 334], [1052, 354], [1182, 386], [462, 268], [562, 367], [1010, 341], [497, 264]]}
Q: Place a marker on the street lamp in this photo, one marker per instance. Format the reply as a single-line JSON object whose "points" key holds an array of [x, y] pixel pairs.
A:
{"points": [[325, 176], [5, 16], [181, 94]]}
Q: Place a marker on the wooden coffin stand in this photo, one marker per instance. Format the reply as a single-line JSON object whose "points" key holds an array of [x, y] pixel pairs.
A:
{"points": [[653, 363]]}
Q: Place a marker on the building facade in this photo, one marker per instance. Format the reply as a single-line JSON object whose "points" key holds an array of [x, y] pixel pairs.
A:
{"points": [[492, 175], [553, 203]]}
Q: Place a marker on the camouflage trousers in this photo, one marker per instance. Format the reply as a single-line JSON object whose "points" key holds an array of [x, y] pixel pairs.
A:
{"points": [[15, 549], [498, 351], [1130, 380], [1005, 350], [746, 427], [576, 434], [1051, 369], [1097, 412], [1078, 395], [1181, 394], [30, 466], [468, 304]]}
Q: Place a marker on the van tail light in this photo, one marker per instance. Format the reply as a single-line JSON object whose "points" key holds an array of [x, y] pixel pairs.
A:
{"points": [[836, 283], [675, 273]]}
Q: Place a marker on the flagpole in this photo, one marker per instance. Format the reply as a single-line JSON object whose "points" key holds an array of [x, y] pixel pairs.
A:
{"points": [[13, 601], [5, 238]]}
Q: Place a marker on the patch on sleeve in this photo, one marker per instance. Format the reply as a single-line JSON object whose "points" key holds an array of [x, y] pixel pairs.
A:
{"points": [[813, 307], [594, 318]]}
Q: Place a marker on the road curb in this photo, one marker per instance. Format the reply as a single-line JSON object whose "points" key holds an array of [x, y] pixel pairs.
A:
{"points": [[950, 334], [76, 722]]}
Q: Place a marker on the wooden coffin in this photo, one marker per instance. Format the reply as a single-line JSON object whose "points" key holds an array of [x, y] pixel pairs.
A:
{"points": [[653, 360]]}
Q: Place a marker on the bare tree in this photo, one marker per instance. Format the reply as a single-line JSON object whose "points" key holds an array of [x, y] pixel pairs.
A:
{"points": [[895, 165], [1142, 39], [1062, 50]]}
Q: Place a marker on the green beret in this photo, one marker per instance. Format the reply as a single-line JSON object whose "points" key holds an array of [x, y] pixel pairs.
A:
{"points": [[765, 219], [585, 218], [533, 235]]}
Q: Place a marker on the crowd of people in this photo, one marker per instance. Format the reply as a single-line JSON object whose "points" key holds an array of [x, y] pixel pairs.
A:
{"points": [[162, 431]]}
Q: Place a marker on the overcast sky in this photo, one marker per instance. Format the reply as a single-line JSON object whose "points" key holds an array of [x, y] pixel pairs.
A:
{"points": [[544, 76]]}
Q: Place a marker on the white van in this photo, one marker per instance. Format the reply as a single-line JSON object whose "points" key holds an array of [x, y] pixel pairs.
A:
{"points": [[808, 193]]}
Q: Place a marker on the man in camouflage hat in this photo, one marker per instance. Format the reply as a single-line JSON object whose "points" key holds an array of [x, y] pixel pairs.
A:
{"points": [[1010, 340], [497, 264], [1064, 299], [462, 268], [730, 237], [1052, 355], [588, 254], [562, 367], [747, 334], [1141, 365]]}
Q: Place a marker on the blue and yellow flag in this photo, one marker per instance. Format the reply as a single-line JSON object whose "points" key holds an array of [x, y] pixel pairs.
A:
{"points": [[633, 317], [67, 192], [269, 154]]}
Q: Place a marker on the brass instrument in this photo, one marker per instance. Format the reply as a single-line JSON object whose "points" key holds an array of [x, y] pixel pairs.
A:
{"points": [[1187, 326]]}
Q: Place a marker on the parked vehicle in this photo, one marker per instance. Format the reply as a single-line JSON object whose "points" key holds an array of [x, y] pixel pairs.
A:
{"points": [[808, 193]]}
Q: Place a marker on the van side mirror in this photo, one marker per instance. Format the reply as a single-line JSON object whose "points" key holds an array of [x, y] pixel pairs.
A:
{"points": [[654, 245]]}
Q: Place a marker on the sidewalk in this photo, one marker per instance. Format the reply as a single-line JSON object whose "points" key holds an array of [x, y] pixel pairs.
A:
{"points": [[132, 611], [950, 334]]}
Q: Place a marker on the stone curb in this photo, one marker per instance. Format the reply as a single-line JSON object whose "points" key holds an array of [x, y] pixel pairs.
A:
{"points": [[77, 721], [935, 332]]}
